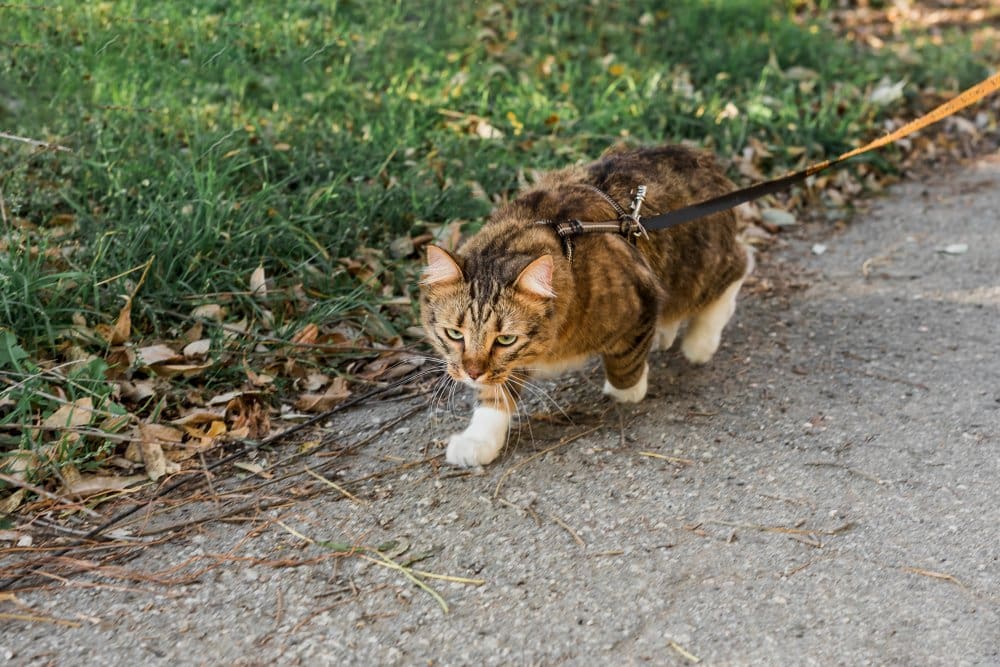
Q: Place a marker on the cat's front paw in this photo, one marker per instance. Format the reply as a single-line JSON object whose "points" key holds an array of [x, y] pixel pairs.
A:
{"points": [[632, 394], [481, 442]]}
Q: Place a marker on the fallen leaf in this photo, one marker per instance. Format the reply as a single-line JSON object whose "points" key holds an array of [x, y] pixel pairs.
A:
{"points": [[335, 393], [91, 484], [254, 468], [153, 458], [122, 329], [71, 415], [198, 348], [199, 417], [955, 249], [137, 391], [258, 283], [249, 416], [209, 311], [316, 381], [486, 131], [185, 370], [156, 354], [778, 217], [886, 92], [12, 502], [306, 335]]}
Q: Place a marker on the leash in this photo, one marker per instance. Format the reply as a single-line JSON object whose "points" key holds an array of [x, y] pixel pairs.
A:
{"points": [[632, 227]]}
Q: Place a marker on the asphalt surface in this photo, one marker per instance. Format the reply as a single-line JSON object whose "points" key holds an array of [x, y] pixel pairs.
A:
{"points": [[826, 491]]}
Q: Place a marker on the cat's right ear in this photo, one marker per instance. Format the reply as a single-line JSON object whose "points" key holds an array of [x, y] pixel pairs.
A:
{"points": [[441, 268]]}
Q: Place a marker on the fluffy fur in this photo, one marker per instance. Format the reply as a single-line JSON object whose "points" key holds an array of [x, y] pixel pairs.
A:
{"points": [[510, 304]]}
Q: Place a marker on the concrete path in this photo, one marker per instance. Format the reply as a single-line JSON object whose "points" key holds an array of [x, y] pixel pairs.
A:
{"points": [[826, 491]]}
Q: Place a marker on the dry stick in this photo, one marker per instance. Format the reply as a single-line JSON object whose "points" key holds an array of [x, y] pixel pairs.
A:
{"points": [[38, 619], [565, 526], [51, 496], [562, 443], [35, 142], [244, 446], [3, 209], [684, 652], [782, 529], [342, 490]]}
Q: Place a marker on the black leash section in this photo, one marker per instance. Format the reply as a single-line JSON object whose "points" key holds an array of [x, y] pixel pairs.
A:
{"points": [[737, 197]]}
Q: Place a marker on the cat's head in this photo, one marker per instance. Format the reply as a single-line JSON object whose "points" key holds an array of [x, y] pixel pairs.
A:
{"points": [[487, 319]]}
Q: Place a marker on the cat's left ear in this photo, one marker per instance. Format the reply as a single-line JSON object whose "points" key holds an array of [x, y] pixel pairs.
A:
{"points": [[536, 278]]}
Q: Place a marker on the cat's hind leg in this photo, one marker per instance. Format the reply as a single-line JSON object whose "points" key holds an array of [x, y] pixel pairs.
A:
{"points": [[666, 332], [704, 332]]}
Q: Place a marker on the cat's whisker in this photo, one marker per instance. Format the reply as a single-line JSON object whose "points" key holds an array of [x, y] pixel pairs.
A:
{"points": [[537, 390]]}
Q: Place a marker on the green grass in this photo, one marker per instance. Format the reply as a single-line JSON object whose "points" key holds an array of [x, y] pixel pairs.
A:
{"points": [[219, 136]]}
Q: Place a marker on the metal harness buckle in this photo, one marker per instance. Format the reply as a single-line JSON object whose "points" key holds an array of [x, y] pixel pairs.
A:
{"points": [[631, 227]]}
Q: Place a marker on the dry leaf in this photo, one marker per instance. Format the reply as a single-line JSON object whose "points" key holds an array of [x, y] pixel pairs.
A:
{"points": [[209, 311], [194, 333], [335, 393], [486, 131], [153, 458], [156, 354], [249, 416], [258, 283], [12, 502], [198, 348], [306, 335], [71, 415], [91, 484], [254, 468], [122, 329], [316, 381], [185, 370], [137, 391], [199, 417]]}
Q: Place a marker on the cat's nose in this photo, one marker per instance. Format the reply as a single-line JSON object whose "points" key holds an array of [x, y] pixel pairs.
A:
{"points": [[474, 371]]}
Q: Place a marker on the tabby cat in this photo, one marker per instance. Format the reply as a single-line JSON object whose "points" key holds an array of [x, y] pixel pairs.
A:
{"points": [[516, 300]]}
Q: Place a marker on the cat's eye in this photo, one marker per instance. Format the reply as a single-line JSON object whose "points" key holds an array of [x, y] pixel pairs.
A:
{"points": [[454, 334], [505, 339]]}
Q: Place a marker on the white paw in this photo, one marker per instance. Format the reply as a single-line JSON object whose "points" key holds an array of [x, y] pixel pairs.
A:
{"points": [[699, 348], [632, 394], [481, 442]]}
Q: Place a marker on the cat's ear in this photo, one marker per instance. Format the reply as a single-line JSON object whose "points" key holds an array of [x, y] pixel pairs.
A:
{"points": [[536, 278], [441, 267]]}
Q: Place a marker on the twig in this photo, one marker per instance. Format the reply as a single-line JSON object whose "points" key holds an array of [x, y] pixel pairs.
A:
{"points": [[562, 443], [409, 574], [336, 486], [13, 481], [853, 471], [684, 652], [208, 478], [565, 526], [782, 529], [38, 619], [35, 142], [672, 459], [933, 575], [3, 209]]}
